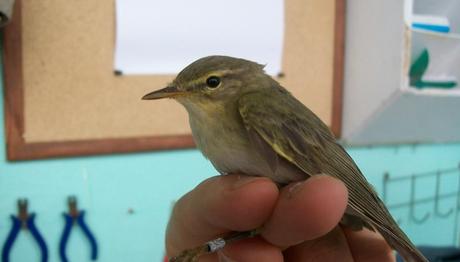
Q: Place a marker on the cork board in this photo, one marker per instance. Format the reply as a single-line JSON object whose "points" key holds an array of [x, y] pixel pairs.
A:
{"points": [[63, 98]]}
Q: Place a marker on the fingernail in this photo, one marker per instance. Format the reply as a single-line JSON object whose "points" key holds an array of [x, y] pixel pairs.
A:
{"points": [[294, 189], [223, 258], [244, 180]]}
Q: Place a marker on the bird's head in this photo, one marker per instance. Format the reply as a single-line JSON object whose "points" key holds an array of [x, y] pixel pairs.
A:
{"points": [[214, 80]]}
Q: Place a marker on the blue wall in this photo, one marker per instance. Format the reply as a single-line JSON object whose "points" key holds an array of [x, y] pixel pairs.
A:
{"points": [[109, 186]]}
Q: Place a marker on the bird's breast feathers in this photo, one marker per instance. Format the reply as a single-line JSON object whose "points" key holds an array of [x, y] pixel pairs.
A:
{"points": [[228, 147]]}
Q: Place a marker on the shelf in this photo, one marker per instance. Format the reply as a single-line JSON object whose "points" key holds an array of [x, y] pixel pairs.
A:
{"points": [[379, 105], [446, 8], [444, 54], [434, 92]]}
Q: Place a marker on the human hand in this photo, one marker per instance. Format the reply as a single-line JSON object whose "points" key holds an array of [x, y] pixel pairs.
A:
{"points": [[300, 221]]}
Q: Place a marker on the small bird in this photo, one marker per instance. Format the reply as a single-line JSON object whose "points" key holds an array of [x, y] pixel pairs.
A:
{"points": [[244, 121]]}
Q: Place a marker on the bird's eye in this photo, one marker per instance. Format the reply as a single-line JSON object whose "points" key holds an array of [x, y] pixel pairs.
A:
{"points": [[213, 81]]}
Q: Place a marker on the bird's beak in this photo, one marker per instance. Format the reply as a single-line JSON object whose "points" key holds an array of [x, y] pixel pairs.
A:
{"points": [[167, 92]]}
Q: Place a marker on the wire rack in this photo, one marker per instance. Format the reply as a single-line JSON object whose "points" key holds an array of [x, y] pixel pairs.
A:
{"points": [[436, 198]]}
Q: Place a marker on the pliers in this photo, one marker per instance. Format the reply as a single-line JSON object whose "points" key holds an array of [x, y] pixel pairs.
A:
{"points": [[75, 216], [23, 221]]}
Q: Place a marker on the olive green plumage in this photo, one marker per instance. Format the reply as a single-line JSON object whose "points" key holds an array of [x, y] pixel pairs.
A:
{"points": [[244, 121]]}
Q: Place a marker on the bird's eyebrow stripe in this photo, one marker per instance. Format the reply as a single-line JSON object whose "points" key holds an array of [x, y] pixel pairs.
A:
{"points": [[219, 73]]}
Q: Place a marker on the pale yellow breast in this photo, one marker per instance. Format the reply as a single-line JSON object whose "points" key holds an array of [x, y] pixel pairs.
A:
{"points": [[227, 145]]}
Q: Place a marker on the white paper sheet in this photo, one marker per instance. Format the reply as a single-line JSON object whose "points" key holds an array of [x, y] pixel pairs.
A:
{"points": [[163, 36]]}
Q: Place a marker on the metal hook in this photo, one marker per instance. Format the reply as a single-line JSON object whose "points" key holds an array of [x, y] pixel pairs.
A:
{"points": [[386, 179], [412, 204], [455, 231], [458, 189], [437, 212]]}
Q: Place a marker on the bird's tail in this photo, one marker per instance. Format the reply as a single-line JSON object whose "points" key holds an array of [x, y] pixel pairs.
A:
{"points": [[401, 243]]}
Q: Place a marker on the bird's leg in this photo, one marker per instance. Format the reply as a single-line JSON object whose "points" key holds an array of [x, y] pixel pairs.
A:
{"points": [[192, 255]]}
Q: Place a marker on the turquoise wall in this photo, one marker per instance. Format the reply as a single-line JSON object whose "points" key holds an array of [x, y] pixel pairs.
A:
{"points": [[147, 183]]}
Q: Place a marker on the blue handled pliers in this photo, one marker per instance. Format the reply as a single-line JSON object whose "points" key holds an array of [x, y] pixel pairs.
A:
{"points": [[24, 221], [75, 216]]}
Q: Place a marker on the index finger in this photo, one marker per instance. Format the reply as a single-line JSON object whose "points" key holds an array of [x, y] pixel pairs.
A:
{"points": [[219, 205]]}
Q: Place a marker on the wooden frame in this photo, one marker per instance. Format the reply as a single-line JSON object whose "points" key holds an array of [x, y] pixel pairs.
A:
{"points": [[19, 149], [337, 81]]}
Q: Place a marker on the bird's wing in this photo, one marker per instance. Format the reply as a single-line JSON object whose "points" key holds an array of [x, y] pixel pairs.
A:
{"points": [[286, 131], [299, 136], [287, 126]]}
